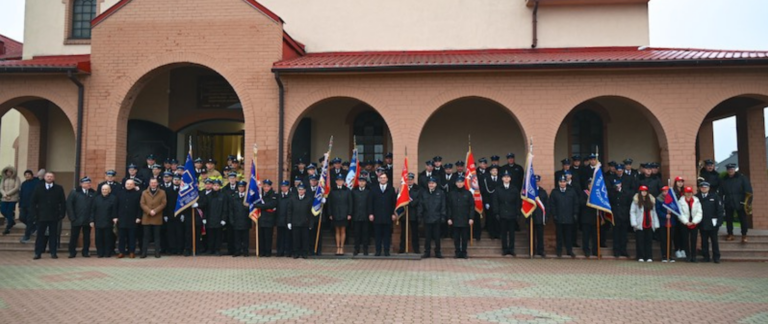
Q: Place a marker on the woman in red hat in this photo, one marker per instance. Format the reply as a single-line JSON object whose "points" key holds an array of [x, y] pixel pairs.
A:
{"points": [[642, 216], [690, 217], [677, 230]]}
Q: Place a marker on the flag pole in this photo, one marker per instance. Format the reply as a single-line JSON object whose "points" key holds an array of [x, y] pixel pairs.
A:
{"points": [[471, 226], [255, 166], [407, 217], [194, 237], [320, 220], [530, 230], [597, 214], [669, 224]]}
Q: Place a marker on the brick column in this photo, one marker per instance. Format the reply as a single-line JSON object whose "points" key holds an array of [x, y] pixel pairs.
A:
{"points": [[706, 143], [750, 126]]}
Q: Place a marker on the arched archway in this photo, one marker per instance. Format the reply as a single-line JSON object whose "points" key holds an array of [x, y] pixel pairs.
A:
{"points": [[494, 130], [43, 137], [742, 138], [617, 128], [348, 120], [177, 102]]}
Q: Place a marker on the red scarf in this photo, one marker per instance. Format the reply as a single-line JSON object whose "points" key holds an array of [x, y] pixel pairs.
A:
{"points": [[690, 213]]}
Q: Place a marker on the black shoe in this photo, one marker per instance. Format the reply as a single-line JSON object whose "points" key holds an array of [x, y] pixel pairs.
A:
{"points": [[401, 251], [246, 254], [576, 245], [356, 252], [706, 260], [425, 256], [559, 254], [365, 252], [296, 256], [217, 253], [53, 256], [573, 255], [37, 257], [6, 232], [457, 255], [187, 253], [143, 256], [71, 256], [464, 255], [693, 260], [717, 261], [438, 255], [416, 251], [235, 255], [386, 253], [543, 256], [378, 253], [99, 256], [157, 254], [304, 256]]}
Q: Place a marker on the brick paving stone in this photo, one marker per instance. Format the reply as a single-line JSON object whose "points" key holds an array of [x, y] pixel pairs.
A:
{"points": [[281, 290]]}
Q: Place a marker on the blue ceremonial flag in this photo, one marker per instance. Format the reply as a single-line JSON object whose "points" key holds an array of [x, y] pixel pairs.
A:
{"points": [[598, 196], [530, 192], [317, 203], [188, 194], [671, 203], [353, 173], [254, 194]]}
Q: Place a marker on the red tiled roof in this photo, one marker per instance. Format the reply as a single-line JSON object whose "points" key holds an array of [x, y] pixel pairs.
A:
{"points": [[42, 64], [11, 50], [518, 59]]}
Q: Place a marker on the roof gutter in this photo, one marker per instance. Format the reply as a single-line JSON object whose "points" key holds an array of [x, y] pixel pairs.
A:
{"points": [[37, 69], [525, 67], [281, 125], [79, 139], [535, 22]]}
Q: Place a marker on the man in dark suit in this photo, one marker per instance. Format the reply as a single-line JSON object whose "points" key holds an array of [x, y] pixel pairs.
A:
{"points": [[174, 226], [299, 218], [432, 212], [47, 207], [428, 172], [564, 206], [383, 200], [713, 214]]}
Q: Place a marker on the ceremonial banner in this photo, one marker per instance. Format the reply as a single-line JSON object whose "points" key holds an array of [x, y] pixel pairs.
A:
{"points": [[404, 196], [598, 197], [530, 191], [671, 203], [354, 171], [254, 193], [188, 193], [471, 182], [322, 189]]}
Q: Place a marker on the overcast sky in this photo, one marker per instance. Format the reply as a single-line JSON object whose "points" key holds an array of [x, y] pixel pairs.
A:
{"points": [[716, 24]]}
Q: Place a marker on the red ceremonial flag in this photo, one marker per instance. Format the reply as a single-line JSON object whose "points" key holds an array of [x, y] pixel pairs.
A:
{"points": [[404, 196], [471, 182]]}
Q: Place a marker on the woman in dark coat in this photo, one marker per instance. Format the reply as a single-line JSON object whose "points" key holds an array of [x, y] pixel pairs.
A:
{"points": [[340, 211], [103, 218], [240, 221]]}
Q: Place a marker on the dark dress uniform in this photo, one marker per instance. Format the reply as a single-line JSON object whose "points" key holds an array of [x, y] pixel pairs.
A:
{"points": [[361, 208], [653, 184], [128, 211], [79, 213], [267, 221], [516, 172], [424, 179], [564, 206], [300, 217], [588, 221], [103, 211], [538, 224], [316, 233], [432, 212], [240, 223], [506, 208], [620, 204], [413, 217], [488, 186], [713, 178], [284, 238], [298, 173], [115, 188], [383, 207], [460, 208], [340, 205], [47, 207], [711, 210], [217, 209], [174, 226], [734, 190]]}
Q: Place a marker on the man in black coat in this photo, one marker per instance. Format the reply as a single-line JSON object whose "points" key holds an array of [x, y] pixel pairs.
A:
{"points": [[299, 219], [645, 179], [173, 224], [428, 172], [588, 221], [621, 200], [284, 238], [383, 200], [268, 218], [461, 209], [432, 212], [414, 192], [361, 208], [47, 207], [240, 220], [734, 189], [79, 213], [710, 175], [564, 206], [506, 207], [713, 213], [217, 209], [300, 171], [103, 217], [488, 186], [515, 170], [539, 220], [575, 176], [128, 217]]}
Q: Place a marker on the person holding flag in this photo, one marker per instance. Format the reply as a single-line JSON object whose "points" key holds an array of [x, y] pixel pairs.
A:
{"points": [[506, 205], [598, 197], [539, 219], [240, 221], [690, 217], [531, 203], [186, 201], [666, 206], [267, 206], [588, 221], [414, 191]]}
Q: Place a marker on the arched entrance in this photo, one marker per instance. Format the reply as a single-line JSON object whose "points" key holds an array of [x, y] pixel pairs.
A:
{"points": [[493, 129], [183, 101], [36, 133], [347, 120], [742, 130], [617, 128]]}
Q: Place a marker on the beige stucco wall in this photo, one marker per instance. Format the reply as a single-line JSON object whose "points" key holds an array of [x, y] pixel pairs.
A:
{"points": [[354, 25], [9, 131]]}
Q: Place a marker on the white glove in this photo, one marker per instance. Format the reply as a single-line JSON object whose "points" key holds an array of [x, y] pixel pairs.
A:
{"points": [[289, 226], [182, 218], [194, 205], [223, 223], [204, 221], [487, 206], [165, 219], [323, 200]]}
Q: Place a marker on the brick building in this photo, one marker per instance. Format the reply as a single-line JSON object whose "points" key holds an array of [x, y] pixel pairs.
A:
{"points": [[401, 76]]}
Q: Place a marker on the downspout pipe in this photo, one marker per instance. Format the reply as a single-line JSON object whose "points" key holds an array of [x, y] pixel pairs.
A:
{"points": [[281, 126], [79, 131], [535, 22]]}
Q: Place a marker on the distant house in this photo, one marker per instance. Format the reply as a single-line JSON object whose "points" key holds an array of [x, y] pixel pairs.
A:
{"points": [[734, 158]]}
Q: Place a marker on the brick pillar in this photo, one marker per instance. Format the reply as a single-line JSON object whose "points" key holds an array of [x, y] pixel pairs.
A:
{"points": [[679, 159], [706, 143], [750, 126]]}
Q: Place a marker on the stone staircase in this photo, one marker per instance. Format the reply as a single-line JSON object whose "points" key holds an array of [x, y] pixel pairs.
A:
{"points": [[755, 250]]}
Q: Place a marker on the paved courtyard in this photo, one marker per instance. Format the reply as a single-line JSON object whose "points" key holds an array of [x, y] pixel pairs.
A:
{"points": [[237, 290]]}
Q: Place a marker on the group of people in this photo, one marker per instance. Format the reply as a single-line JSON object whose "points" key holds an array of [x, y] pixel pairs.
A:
{"points": [[141, 210]]}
